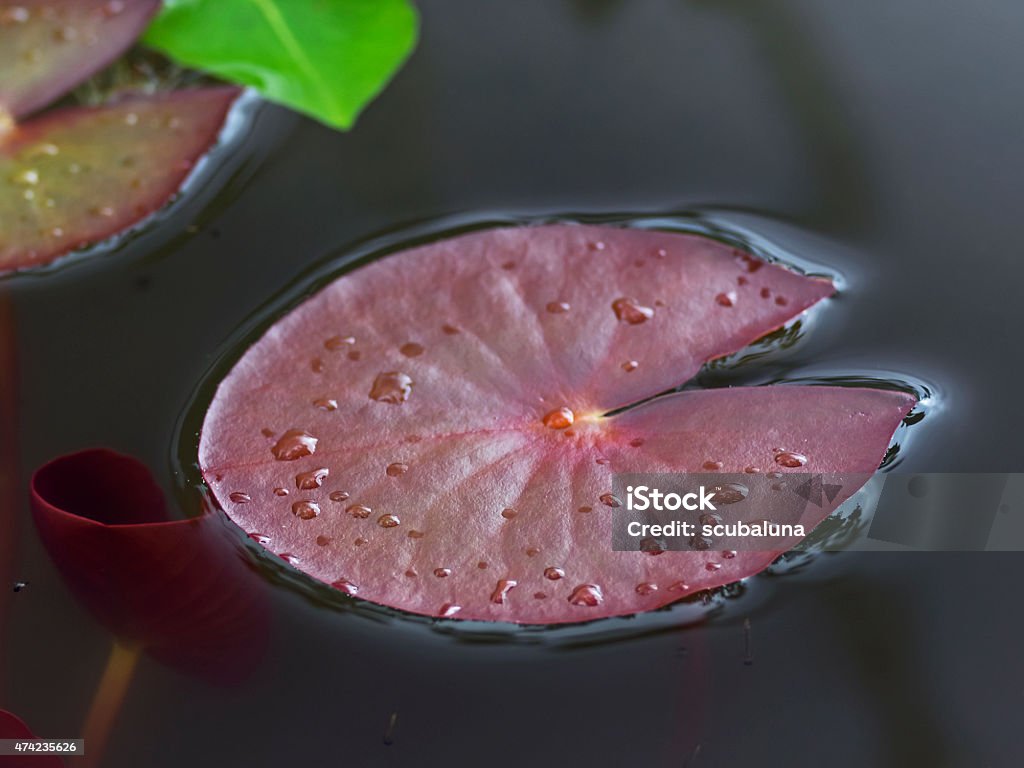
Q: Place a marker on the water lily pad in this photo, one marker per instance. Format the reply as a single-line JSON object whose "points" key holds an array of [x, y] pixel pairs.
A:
{"points": [[76, 176], [431, 431], [49, 46]]}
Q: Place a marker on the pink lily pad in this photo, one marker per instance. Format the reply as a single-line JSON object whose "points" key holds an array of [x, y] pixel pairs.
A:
{"points": [[49, 46], [76, 176], [431, 432]]}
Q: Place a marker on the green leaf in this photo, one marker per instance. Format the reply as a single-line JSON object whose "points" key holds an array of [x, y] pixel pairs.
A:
{"points": [[326, 58]]}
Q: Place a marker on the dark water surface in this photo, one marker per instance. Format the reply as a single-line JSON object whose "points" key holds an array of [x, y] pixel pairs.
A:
{"points": [[882, 141]]}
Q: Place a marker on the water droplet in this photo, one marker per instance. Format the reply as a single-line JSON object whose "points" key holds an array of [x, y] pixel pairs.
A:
{"points": [[539, 595], [442, 573], [636, 442], [14, 15], [307, 481], [726, 299], [630, 365], [411, 349], [653, 547], [766, 293], [752, 470], [289, 558], [701, 543], [781, 301], [338, 495], [509, 513], [359, 541], [678, 586], [359, 511], [305, 510], [560, 418], [326, 404], [589, 595], [27, 177], [260, 538], [728, 554], [646, 588], [631, 311], [585, 509], [323, 541], [103, 211], [712, 466], [748, 262], [280, 491], [554, 574], [710, 518], [267, 432], [113, 8], [43, 149], [730, 493], [741, 280], [316, 365], [396, 469], [410, 573], [294, 444], [335, 343], [449, 329], [790, 459], [354, 355], [448, 610], [501, 590], [345, 587], [391, 387], [482, 565], [532, 551], [597, 246], [388, 521], [414, 534], [711, 565], [602, 460], [558, 307], [240, 498], [509, 265], [610, 500], [131, 119]]}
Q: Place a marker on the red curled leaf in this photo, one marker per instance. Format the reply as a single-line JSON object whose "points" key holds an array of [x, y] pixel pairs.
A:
{"points": [[13, 727], [75, 176], [429, 431], [148, 579], [49, 46]]}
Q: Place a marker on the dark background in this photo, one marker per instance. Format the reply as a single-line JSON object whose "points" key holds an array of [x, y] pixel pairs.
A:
{"points": [[879, 139]]}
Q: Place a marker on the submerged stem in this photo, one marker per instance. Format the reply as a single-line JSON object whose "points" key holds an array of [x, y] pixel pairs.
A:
{"points": [[107, 701]]}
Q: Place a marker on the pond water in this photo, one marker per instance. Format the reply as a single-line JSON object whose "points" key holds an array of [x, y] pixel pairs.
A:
{"points": [[882, 143]]}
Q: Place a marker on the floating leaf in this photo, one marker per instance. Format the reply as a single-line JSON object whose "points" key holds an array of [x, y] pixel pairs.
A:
{"points": [[49, 46], [178, 588], [75, 176], [13, 727], [326, 59], [432, 431]]}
